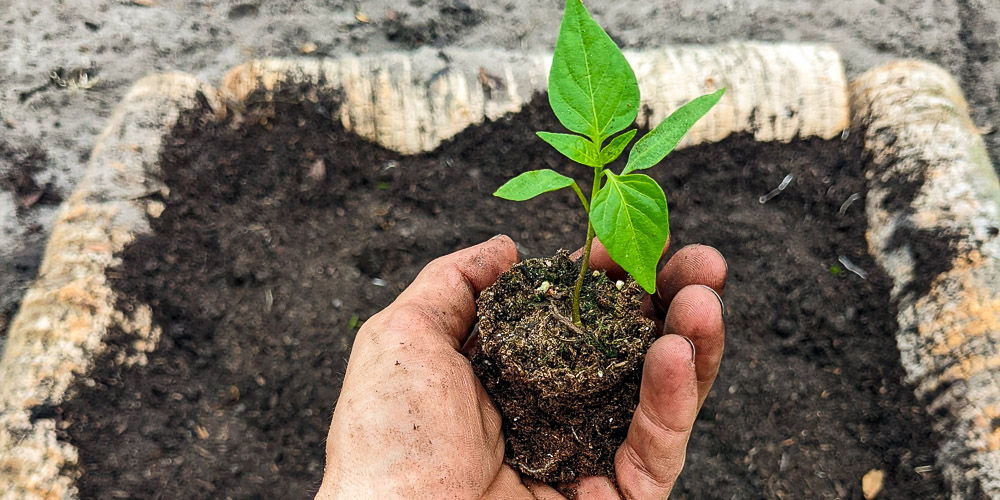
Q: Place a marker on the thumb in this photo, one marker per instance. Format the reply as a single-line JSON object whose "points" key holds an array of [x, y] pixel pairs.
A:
{"points": [[652, 457]]}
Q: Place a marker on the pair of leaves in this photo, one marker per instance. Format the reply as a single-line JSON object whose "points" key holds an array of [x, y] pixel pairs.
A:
{"points": [[629, 215], [581, 150], [593, 92], [648, 151]]}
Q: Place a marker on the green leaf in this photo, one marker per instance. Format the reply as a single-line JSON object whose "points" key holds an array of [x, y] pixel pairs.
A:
{"points": [[629, 215], [616, 146], [574, 147], [660, 141], [592, 88], [531, 184]]}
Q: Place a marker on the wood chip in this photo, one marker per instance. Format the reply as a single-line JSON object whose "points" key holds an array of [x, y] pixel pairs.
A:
{"points": [[871, 484], [488, 81], [155, 208]]}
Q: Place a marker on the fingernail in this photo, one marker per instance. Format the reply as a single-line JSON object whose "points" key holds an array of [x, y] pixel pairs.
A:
{"points": [[690, 343], [717, 296], [723, 257], [496, 236]]}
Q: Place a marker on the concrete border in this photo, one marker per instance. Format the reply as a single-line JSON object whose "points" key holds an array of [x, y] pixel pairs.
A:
{"points": [[409, 103], [919, 134], [66, 313]]}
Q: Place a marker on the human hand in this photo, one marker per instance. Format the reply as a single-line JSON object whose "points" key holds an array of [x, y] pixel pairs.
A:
{"points": [[413, 421]]}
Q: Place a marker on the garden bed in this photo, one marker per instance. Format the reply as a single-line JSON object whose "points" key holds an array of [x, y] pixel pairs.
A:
{"points": [[202, 285], [283, 231]]}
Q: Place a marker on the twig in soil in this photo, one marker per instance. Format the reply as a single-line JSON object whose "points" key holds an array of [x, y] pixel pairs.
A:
{"points": [[541, 470], [851, 267], [776, 191], [847, 203], [566, 321]]}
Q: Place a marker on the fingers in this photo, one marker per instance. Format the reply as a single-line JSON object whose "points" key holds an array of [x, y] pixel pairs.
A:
{"points": [[696, 312], [508, 485], [691, 265], [599, 258], [442, 298], [587, 488], [542, 491], [597, 488], [652, 457]]}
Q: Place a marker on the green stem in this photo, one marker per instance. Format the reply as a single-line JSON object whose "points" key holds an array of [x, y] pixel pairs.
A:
{"points": [[585, 260], [583, 199]]}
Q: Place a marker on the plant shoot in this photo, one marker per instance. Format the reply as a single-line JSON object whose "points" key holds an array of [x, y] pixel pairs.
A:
{"points": [[593, 93]]}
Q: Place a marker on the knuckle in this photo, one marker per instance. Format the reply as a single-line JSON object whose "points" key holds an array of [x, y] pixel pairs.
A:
{"points": [[661, 429], [662, 478], [397, 325], [438, 266], [413, 317]]}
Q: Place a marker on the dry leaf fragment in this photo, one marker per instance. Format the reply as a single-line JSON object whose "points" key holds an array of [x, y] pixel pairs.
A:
{"points": [[871, 484], [488, 81], [201, 432]]}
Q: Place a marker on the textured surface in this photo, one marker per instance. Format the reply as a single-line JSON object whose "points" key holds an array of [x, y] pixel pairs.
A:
{"points": [[118, 41], [934, 197]]}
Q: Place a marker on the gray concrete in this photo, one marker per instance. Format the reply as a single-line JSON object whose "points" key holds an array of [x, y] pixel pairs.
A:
{"points": [[64, 65]]}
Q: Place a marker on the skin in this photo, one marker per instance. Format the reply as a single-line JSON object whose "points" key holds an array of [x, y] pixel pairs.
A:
{"points": [[413, 421]]}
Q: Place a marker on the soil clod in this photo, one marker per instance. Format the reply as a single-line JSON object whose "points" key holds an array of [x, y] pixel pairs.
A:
{"points": [[566, 393]]}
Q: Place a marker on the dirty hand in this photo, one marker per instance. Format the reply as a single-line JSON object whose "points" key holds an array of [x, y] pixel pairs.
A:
{"points": [[413, 420]]}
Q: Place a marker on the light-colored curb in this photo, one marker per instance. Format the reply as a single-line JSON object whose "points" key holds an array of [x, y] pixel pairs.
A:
{"points": [[918, 133], [406, 102], [66, 313], [412, 102]]}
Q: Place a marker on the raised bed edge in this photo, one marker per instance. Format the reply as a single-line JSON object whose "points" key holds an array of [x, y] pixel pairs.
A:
{"points": [[920, 137], [778, 92]]}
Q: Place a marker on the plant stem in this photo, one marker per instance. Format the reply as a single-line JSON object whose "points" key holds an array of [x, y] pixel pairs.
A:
{"points": [[585, 260], [579, 194]]}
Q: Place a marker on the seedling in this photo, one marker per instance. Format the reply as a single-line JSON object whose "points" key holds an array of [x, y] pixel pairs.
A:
{"points": [[593, 92]]}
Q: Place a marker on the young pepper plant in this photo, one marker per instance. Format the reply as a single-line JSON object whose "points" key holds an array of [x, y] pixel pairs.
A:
{"points": [[593, 92]]}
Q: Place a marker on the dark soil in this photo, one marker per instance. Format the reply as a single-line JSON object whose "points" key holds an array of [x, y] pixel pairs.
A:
{"points": [[566, 393], [19, 172], [282, 231]]}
